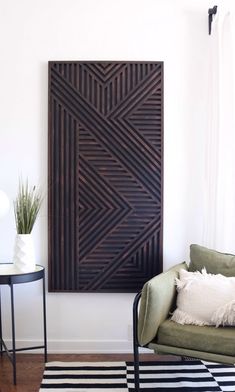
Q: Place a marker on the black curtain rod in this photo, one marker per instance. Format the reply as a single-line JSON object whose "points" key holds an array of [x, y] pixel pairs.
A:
{"points": [[211, 12]]}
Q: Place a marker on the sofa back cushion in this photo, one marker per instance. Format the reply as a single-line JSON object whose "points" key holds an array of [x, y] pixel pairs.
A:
{"points": [[214, 262], [157, 300]]}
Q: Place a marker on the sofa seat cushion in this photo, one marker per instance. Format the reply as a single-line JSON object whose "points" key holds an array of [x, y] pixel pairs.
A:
{"points": [[194, 337]]}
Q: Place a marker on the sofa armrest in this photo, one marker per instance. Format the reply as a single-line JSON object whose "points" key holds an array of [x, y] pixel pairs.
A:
{"points": [[157, 299]]}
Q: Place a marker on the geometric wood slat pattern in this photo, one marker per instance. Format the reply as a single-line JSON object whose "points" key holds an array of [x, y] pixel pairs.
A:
{"points": [[105, 175]]}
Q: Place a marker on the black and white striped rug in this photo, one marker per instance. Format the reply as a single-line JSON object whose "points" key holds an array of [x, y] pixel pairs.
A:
{"points": [[192, 376]]}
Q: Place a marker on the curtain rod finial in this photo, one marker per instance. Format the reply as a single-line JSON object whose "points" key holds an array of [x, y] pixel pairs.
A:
{"points": [[211, 12]]}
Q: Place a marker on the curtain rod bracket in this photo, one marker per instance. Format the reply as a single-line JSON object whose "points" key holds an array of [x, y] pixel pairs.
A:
{"points": [[211, 12]]}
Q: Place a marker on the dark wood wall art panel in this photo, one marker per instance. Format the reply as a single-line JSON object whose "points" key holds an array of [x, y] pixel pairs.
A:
{"points": [[105, 175]]}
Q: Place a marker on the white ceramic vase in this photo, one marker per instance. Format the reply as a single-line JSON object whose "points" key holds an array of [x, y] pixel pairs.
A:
{"points": [[24, 254]]}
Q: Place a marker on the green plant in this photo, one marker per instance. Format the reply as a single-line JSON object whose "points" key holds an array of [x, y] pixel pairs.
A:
{"points": [[26, 207]]}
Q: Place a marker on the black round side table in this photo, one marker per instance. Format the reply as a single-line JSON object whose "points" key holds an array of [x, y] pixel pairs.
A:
{"points": [[9, 275]]}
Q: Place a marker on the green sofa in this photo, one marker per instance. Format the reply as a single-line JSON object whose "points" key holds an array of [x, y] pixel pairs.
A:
{"points": [[151, 317]]}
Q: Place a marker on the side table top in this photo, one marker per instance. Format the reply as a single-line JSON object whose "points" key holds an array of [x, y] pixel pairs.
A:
{"points": [[9, 269]]}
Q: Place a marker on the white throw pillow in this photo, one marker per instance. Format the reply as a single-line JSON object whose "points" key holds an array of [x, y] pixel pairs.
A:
{"points": [[204, 299]]}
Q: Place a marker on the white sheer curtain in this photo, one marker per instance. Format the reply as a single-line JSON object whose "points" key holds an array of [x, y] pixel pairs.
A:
{"points": [[219, 197]]}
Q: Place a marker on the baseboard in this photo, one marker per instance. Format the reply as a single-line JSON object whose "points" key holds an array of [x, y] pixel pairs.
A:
{"points": [[89, 346], [79, 346]]}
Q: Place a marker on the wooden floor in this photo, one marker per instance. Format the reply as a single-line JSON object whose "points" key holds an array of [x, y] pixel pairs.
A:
{"points": [[30, 368]]}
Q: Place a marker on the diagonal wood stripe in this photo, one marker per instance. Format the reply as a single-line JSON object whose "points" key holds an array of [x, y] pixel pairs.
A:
{"points": [[101, 189], [103, 163], [109, 138], [104, 74], [143, 90], [105, 222], [101, 278], [152, 182]]}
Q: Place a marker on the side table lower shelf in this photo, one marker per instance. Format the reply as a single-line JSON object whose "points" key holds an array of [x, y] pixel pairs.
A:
{"points": [[10, 276]]}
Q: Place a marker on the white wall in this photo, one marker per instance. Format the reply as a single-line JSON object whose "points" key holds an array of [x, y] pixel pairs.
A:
{"points": [[33, 32]]}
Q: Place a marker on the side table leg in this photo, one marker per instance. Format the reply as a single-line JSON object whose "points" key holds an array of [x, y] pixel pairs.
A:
{"points": [[0, 323], [44, 319], [13, 334]]}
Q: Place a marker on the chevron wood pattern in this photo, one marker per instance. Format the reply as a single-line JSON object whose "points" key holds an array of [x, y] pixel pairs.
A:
{"points": [[105, 175]]}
